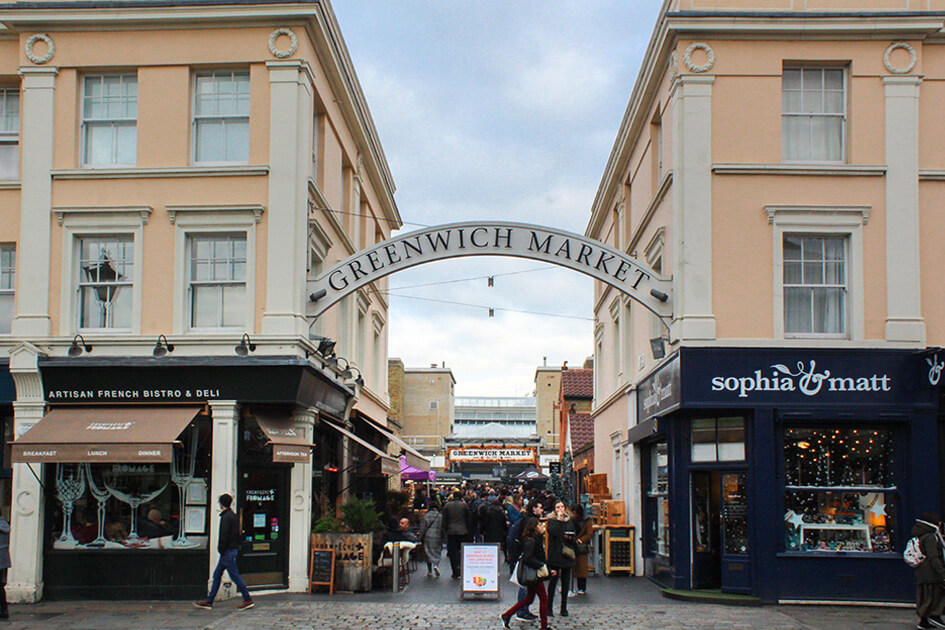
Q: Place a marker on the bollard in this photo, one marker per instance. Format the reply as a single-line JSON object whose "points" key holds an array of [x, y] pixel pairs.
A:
{"points": [[395, 569]]}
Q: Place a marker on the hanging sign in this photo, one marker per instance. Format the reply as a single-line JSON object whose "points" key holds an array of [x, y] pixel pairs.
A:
{"points": [[487, 454]]}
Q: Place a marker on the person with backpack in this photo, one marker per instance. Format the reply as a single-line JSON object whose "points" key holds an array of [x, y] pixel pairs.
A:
{"points": [[929, 571]]}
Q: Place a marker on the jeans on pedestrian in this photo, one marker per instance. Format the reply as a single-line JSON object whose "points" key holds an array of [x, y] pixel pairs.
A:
{"points": [[538, 588], [227, 562], [564, 573], [454, 549]]}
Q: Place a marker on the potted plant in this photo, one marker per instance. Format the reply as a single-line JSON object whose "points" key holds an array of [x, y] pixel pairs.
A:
{"points": [[351, 537]]}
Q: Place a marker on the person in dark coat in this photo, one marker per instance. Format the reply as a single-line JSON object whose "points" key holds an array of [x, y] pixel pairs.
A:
{"points": [[585, 531], [228, 545], [495, 525], [561, 554], [533, 555], [930, 575], [514, 543], [5, 564], [431, 535], [457, 528]]}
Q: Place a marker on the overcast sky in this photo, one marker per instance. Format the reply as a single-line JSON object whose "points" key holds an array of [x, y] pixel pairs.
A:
{"points": [[495, 110]]}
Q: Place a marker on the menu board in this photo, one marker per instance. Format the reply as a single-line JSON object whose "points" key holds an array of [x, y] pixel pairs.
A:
{"points": [[480, 571], [322, 570]]}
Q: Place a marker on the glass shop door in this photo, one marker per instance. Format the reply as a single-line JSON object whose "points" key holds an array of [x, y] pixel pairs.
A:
{"points": [[706, 541], [264, 520], [736, 565]]}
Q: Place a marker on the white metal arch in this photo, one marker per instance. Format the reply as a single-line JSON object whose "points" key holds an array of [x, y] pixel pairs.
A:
{"points": [[493, 238]]}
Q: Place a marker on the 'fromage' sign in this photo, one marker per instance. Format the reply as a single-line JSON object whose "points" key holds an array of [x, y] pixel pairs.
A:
{"points": [[803, 377]]}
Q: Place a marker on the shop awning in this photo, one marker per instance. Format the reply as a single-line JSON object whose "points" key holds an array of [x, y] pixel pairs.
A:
{"points": [[389, 465], [104, 434], [414, 457], [288, 445]]}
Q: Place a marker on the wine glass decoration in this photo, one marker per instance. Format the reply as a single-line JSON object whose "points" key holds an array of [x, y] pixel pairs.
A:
{"points": [[182, 474], [101, 495], [69, 488], [135, 501]]}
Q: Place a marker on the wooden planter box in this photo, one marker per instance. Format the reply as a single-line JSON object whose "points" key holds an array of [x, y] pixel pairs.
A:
{"points": [[353, 553]]}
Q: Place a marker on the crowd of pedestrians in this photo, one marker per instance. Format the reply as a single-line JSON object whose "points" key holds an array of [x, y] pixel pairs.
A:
{"points": [[533, 528]]}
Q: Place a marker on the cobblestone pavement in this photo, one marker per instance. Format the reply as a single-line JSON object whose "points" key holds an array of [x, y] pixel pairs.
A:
{"points": [[427, 605]]}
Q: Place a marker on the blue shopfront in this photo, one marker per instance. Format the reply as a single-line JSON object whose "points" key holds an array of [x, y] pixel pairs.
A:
{"points": [[7, 396], [789, 474]]}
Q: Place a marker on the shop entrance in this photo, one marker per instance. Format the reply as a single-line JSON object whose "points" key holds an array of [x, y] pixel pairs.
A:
{"points": [[720, 552], [264, 521]]}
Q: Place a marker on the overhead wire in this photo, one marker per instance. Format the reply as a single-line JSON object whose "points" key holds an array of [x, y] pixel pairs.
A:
{"points": [[494, 308]]}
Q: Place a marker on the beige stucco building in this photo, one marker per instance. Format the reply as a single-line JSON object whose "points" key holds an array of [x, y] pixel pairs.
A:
{"points": [[425, 406], [782, 163], [172, 177]]}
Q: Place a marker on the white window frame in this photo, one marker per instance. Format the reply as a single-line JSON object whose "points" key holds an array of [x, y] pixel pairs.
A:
{"points": [[114, 122], [84, 222], [842, 115], [10, 136], [223, 117], [831, 221], [10, 290], [202, 220]]}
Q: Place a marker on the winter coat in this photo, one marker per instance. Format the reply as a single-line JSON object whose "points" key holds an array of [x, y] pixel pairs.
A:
{"points": [[585, 533], [533, 552], [457, 519], [513, 514], [4, 544], [513, 542], [557, 540], [229, 531], [932, 569], [494, 524], [431, 535]]}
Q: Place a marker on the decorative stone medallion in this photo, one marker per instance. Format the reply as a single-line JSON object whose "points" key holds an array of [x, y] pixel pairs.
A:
{"points": [[893, 48], [50, 48], [293, 43], [709, 53]]}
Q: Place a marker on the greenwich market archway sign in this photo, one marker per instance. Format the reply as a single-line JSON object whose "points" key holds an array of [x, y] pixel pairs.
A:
{"points": [[519, 240]]}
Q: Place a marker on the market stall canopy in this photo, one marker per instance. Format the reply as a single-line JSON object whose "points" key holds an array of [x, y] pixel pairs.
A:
{"points": [[532, 474], [415, 474], [414, 458], [104, 434], [288, 445], [389, 465]]}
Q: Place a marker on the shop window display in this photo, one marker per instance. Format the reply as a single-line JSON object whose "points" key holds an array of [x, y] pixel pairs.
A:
{"points": [[134, 506], [841, 494]]}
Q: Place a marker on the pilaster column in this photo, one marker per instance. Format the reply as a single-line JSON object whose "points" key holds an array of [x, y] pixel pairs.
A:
{"points": [[27, 518], [290, 158], [904, 321], [37, 117], [225, 420], [692, 208], [300, 515]]}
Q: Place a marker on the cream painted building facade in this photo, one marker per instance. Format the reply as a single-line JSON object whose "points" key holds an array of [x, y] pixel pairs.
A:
{"points": [[782, 162], [173, 175]]}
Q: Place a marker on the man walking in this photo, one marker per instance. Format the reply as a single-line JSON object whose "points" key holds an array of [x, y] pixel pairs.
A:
{"points": [[457, 525], [227, 546]]}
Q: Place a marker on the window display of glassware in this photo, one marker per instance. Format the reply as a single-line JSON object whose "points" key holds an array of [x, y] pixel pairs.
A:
{"points": [[182, 475], [70, 486]]}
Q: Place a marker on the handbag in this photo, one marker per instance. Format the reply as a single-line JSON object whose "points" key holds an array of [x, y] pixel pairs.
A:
{"points": [[568, 552], [543, 572], [582, 549], [526, 575]]}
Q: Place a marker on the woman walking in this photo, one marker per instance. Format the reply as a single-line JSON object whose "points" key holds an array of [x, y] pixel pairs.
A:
{"points": [[561, 555], [930, 573], [533, 556], [431, 535], [585, 530]]}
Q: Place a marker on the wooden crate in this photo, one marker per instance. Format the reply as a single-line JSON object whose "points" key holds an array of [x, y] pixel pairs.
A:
{"points": [[614, 512], [597, 483]]}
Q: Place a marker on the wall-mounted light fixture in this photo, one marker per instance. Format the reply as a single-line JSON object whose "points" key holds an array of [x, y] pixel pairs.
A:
{"points": [[658, 347], [75, 349], [326, 346], [245, 346], [359, 379], [161, 348]]}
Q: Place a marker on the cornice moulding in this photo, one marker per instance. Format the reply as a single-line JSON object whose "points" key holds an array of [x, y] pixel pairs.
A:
{"points": [[159, 172], [848, 170]]}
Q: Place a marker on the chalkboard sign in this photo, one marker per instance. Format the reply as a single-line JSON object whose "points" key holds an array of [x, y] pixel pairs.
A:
{"points": [[322, 570]]}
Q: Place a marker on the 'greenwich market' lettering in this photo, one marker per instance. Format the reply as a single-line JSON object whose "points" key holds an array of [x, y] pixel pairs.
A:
{"points": [[805, 378], [493, 239]]}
